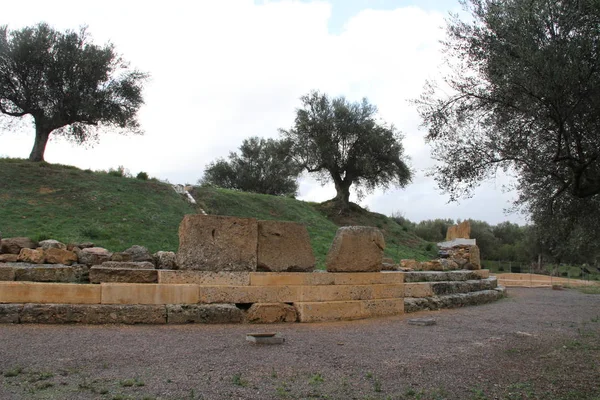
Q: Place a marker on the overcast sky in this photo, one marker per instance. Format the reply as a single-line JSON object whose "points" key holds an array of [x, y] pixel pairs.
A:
{"points": [[222, 71]]}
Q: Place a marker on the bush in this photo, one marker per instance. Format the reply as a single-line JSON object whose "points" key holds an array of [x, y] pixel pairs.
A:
{"points": [[142, 175], [120, 172]]}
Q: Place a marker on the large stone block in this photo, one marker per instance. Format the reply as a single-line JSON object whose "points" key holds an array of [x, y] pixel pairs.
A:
{"points": [[217, 243], [203, 314], [9, 313], [34, 292], [284, 246], [420, 289], [44, 272], [460, 231], [131, 293], [270, 313], [223, 278], [52, 244], [474, 257], [325, 278], [54, 255], [350, 292], [93, 314], [93, 256], [356, 249], [34, 256], [14, 245], [99, 274], [8, 258], [7, 273], [249, 294], [127, 265], [348, 310], [165, 260]]}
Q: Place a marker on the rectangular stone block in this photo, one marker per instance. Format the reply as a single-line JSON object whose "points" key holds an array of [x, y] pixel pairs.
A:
{"points": [[284, 246], [7, 273], [132, 293], [9, 313], [348, 310], [223, 278], [100, 274], [249, 294], [33, 292], [325, 278], [203, 314], [93, 314], [43, 272], [217, 243], [420, 289], [350, 292], [482, 273]]}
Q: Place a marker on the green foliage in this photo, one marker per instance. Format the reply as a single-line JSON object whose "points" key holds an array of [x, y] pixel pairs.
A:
{"points": [[344, 142], [142, 175], [41, 200], [263, 166], [67, 84]]}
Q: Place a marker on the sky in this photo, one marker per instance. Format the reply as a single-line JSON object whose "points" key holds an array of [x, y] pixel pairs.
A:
{"points": [[224, 70]]}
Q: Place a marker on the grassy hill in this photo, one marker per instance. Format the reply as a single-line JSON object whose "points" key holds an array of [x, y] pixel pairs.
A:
{"points": [[42, 200]]}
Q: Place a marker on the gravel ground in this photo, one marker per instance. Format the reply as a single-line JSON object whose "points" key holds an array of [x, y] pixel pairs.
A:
{"points": [[535, 344]]}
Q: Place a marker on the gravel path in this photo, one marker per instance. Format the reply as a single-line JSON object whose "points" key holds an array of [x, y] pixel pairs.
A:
{"points": [[536, 344]]}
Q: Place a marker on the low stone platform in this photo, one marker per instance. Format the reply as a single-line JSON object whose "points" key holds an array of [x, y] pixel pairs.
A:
{"points": [[234, 297]]}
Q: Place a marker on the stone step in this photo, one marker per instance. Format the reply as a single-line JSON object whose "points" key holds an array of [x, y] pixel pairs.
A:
{"points": [[325, 278], [438, 276], [290, 294], [147, 293], [224, 278], [36, 292], [413, 304], [42, 272], [428, 289], [101, 274], [348, 310]]}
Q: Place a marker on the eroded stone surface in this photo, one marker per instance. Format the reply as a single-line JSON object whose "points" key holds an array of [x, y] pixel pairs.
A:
{"points": [[356, 249], [93, 314], [217, 243], [7, 272], [460, 231], [4, 258], [412, 304], [9, 313], [165, 260], [270, 313], [203, 314], [52, 244], [43, 272], [284, 246], [33, 256], [139, 253], [99, 274], [127, 265], [93, 256], [56, 255], [14, 245]]}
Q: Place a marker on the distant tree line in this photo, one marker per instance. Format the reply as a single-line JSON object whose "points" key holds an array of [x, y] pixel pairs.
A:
{"points": [[507, 241]]}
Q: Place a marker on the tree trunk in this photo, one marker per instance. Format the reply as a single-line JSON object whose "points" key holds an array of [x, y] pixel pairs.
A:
{"points": [[42, 134], [342, 188]]}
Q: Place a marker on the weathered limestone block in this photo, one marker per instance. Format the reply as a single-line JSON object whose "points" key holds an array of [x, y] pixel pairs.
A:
{"points": [[409, 264], [284, 246], [7, 272], [139, 253], [434, 265], [14, 245], [217, 243], [474, 258], [121, 257], [223, 278], [270, 313], [35, 292], [44, 272], [33, 256], [203, 314], [165, 260], [9, 313], [93, 314], [425, 276], [460, 231], [52, 244], [132, 293], [356, 249], [85, 245], [100, 274], [56, 255], [127, 265], [6, 258], [93, 256]]}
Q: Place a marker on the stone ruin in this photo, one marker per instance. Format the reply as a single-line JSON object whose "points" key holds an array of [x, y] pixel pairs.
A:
{"points": [[232, 270]]}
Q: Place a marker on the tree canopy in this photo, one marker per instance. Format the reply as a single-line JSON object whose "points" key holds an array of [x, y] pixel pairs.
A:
{"points": [[344, 142], [263, 166], [69, 85], [523, 96]]}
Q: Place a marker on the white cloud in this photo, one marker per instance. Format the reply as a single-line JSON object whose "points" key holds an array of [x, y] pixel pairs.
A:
{"points": [[226, 70]]}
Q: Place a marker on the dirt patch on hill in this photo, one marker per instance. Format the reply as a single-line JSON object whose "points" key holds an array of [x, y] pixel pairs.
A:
{"points": [[536, 344]]}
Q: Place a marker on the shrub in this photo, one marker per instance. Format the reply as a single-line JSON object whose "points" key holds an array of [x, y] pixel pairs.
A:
{"points": [[120, 172], [142, 175]]}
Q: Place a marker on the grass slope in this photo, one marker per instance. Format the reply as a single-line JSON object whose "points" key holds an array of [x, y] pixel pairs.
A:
{"points": [[320, 220], [42, 200]]}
